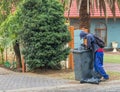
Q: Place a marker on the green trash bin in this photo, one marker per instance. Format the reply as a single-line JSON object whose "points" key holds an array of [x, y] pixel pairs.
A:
{"points": [[83, 64]]}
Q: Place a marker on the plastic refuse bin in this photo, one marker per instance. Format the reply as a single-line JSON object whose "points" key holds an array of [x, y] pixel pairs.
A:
{"points": [[83, 64]]}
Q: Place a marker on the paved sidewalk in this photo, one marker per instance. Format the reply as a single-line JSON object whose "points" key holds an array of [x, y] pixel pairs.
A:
{"points": [[22, 82], [112, 67], [14, 81]]}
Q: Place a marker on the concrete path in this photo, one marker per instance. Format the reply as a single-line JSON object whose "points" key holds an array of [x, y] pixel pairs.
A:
{"points": [[112, 67], [22, 82]]}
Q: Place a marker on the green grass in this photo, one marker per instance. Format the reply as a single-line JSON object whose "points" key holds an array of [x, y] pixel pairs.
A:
{"points": [[111, 58], [114, 75]]}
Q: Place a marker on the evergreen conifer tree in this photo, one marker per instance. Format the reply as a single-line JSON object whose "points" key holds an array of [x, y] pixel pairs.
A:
{"points": [[44, 33]]}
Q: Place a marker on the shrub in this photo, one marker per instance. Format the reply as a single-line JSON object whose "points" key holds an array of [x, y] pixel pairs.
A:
{"points": [[44, 34]]}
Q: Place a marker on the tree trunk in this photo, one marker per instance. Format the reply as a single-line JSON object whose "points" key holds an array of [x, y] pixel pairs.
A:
{"points": [[6, 55], [84, 16], [17, 54], [2, 57]]}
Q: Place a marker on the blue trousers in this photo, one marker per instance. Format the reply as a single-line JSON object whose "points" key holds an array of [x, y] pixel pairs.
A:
{"points": [[98, 64]]}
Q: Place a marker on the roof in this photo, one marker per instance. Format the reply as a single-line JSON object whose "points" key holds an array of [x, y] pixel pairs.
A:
{"points": [[74, 12]]}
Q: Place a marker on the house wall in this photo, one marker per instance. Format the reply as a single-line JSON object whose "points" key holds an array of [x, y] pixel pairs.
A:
{"points": [[75, 22], [113, 30], [77, 40]]}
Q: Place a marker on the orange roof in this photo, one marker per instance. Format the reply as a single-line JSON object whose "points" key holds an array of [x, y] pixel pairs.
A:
{"points": [[74, 13]]}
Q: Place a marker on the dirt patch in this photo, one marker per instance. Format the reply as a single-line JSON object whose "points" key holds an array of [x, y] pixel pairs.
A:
{"points": [[69, 74], [64, 73]]}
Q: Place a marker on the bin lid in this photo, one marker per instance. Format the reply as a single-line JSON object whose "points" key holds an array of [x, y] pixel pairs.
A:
{"points": [[79, 51]]}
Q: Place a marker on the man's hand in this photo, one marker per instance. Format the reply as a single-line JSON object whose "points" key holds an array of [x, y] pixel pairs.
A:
{"points": [[83, 45]]}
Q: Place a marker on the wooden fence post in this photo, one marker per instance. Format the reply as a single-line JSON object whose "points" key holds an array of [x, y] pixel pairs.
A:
{"points": [[71, 45], [23, 64]]}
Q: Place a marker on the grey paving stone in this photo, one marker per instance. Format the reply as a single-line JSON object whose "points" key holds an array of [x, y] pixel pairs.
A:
{"points": [[21, 82]]}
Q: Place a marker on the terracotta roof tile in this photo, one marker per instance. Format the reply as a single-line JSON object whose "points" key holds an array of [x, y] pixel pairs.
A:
{"points": [[74, 13]]}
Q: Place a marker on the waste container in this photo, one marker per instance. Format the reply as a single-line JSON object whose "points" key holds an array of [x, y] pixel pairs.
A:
{"points": [[83, 64]]}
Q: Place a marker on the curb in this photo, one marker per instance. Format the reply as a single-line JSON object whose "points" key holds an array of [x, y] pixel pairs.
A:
{"points": [[40, 88]]}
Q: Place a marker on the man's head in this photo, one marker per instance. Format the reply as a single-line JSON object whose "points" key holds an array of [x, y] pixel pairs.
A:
{"points": [[83, 35]]}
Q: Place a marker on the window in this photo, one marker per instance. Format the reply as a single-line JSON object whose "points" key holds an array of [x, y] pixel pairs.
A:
{"points": [[101, 31]]}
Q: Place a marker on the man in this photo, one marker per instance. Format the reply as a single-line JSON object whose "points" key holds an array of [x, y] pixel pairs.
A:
{"points": [[97, 53]]}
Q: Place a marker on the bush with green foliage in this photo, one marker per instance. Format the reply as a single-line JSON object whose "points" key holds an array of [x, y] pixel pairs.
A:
{"points": [[44, 33]]}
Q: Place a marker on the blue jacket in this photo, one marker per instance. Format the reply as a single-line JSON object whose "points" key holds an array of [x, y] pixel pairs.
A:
{"points": [[90, 40]]}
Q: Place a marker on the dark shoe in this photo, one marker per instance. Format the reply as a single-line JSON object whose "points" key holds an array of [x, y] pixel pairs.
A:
{"points": [[90, 80], [83, 81], [93, 81]]}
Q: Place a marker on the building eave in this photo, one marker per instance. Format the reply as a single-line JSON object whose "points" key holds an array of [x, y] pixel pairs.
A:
{"points": [[76, 17]]}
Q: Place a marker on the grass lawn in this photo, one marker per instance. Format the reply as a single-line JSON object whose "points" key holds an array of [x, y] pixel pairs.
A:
{"points": [[114, 75], [112, 58]]}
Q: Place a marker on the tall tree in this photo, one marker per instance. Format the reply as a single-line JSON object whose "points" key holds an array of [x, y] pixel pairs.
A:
{"points": [[44, 34], [85, 6], [8, 7]]}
